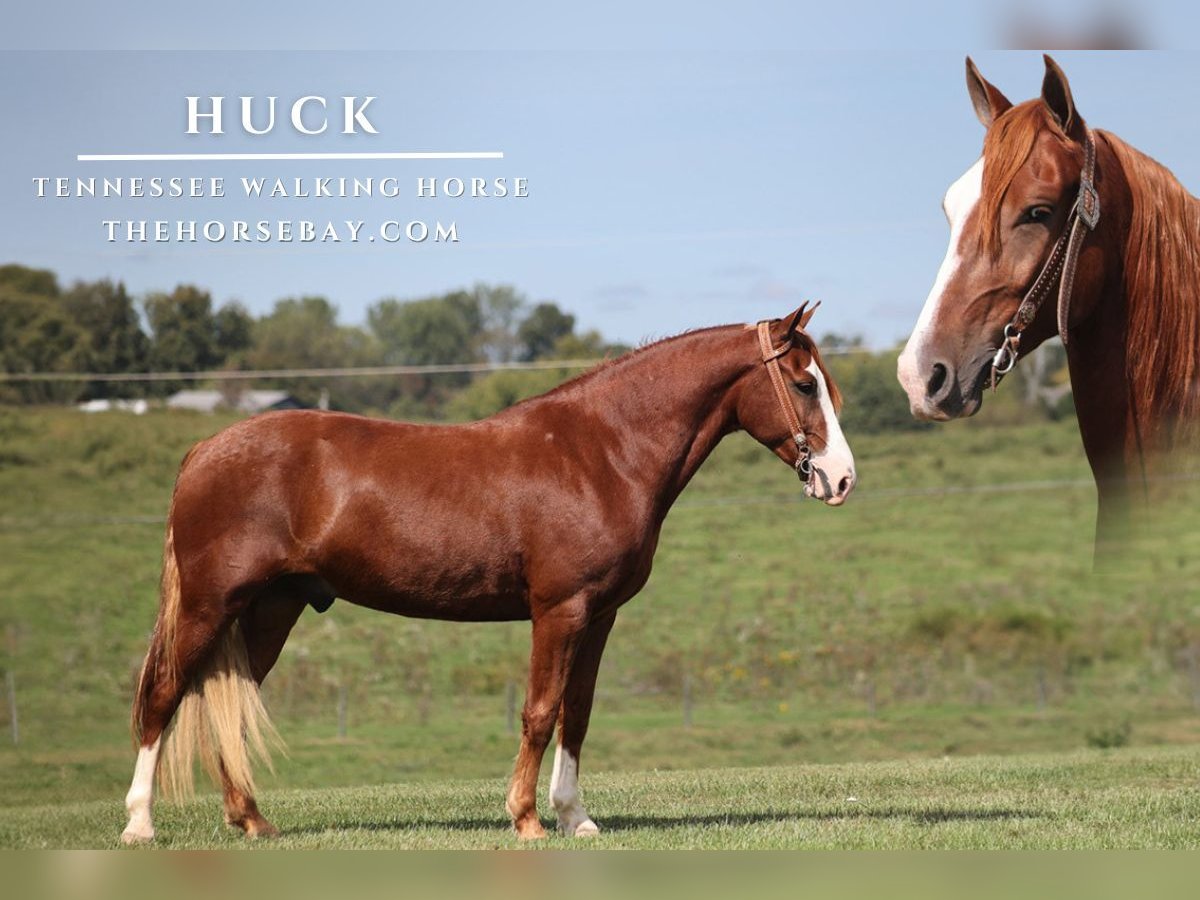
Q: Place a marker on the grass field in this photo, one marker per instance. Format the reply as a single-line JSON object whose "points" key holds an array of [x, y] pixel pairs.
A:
{"points": [[947, 611], [1085, 799]]}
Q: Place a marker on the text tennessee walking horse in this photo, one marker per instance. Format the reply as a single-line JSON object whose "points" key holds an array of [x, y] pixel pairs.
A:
{"points": [[548, 511], [1052, 203]]}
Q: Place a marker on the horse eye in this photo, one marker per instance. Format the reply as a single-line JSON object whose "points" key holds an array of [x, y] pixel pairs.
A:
{"points": [[1039, 213], [807, 388]]}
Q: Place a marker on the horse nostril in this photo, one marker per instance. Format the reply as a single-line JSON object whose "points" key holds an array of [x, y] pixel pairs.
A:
{"points": [[937, 380], [843, 485]]}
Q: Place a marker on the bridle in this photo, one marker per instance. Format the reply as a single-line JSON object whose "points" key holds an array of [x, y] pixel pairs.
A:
{"points": [[1059, 266], [770, 358]]}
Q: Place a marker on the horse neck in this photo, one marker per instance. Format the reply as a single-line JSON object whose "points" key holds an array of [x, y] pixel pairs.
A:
{"points": [[661, 411], [1096, 360]]}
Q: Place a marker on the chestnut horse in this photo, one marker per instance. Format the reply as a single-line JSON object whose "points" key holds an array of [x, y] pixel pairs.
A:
{"points": [[1055, 209], [548, 511]]}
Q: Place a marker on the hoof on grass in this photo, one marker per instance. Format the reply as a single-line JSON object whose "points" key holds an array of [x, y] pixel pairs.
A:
{"points": [[132, 837], [530, 830]]}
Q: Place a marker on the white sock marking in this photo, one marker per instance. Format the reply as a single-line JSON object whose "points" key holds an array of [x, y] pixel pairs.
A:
{"points": [[573, 819], [141, 796]]}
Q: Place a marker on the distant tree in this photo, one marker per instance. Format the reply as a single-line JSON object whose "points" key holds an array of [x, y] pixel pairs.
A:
{"points": [[541, 329], [874, 401], [438, 330], [429, 331], [499, 309], [107, 314], [234, 330], [832, 341], [32, 282], [303, 333], [183, 334], [495, 391], [490, 393], [589, 345], [37, 335]]}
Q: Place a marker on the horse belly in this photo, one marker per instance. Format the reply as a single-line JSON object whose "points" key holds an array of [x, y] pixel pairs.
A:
{"points": [[420, 605], [445, 582]]}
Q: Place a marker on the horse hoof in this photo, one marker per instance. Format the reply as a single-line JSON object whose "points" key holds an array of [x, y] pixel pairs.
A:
{"points": [[131, 836], [530, 831], [587, 829], [261, 829]]}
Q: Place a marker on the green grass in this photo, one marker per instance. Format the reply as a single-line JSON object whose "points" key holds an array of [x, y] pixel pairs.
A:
{"points": [[947, 610], [1086, 799]]}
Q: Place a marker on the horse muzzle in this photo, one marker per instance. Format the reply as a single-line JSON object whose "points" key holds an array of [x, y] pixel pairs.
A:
{"points": [[941, 391], [830, 485]]}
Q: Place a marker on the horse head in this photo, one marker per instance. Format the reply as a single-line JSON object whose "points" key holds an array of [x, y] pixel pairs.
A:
{"points": [[1010, 216], [793, 408]]}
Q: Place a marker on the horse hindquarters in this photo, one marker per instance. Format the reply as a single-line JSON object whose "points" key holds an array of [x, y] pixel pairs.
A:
{"points": [[199, 671]]}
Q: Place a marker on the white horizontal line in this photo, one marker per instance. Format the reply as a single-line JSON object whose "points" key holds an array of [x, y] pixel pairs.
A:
{"points": [[338, 372], [236, 157], [345, 372]]}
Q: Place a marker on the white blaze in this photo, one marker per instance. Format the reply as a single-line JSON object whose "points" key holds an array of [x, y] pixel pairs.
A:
{"points": [[141, 796], [914, 366], [835, 460], [573, 819]]}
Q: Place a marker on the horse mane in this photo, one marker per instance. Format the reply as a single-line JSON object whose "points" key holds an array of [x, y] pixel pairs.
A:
{"points": [[1162, 288], [801, 337], [1006, 148], [1161, 262]]}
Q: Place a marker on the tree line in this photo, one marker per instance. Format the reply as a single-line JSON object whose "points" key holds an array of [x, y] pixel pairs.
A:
{"points": [[97, 326]]}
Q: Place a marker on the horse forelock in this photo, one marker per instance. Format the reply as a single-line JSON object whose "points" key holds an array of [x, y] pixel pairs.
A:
{"points": [[1006, 149]]}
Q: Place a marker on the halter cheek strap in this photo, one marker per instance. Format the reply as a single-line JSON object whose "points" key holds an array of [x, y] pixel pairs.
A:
{"points": [[770, 358], [1059, 266]]}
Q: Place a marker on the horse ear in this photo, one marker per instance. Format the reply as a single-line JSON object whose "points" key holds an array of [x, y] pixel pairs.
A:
{"points": [[1056, 94], [801, 317], [988, 101]]}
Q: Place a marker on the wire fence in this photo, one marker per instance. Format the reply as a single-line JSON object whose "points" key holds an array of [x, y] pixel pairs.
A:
{"points": [[338, 372], [733, 500]]}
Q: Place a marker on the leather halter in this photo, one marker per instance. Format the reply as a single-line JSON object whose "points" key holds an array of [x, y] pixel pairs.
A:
{"points": [[1059, 266], [770, 358]]}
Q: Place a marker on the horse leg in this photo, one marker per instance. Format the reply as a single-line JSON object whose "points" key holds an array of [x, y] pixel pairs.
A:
{"points": [[265, 626], [576, 709], [196, 645], [555, 639], [160, 690]]}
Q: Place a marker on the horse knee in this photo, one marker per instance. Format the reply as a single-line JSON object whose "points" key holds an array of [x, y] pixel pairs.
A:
{"points": [[537, 721]]}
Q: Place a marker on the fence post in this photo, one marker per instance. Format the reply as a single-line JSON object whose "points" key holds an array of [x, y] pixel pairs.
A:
{"points": [[687, 701], [11, 681], [1193, 660]]}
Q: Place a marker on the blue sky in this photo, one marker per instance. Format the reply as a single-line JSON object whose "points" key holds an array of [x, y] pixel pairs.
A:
{"points": [[668, 188]]}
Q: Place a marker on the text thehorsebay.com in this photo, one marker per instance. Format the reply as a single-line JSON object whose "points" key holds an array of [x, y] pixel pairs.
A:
{"points": [[309, 116]]}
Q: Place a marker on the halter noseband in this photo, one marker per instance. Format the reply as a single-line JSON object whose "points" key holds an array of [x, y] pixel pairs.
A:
{"points": [[770, 358], [1059, 266]]}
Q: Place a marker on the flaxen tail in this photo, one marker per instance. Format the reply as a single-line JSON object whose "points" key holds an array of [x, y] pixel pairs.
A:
{"points": [[160, 662], [221, 713]]}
